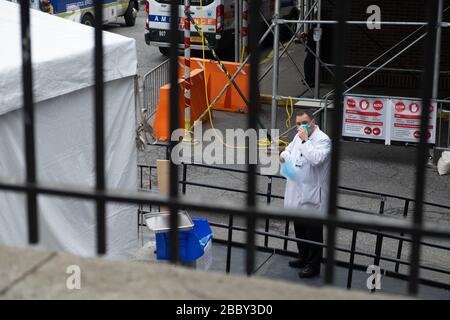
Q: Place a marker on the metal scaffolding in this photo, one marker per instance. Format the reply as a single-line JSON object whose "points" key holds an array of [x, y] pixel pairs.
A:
{"points": [[309, 20]]}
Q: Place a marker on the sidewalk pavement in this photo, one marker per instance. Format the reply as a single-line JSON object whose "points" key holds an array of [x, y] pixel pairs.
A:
{"points": [[31, 274]]}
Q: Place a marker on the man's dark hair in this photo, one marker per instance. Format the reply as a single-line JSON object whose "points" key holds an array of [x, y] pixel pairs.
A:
{"points": [[307, 112]]}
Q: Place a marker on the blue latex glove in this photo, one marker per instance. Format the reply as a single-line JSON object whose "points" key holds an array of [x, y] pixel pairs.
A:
{"points": [[287, 169]]}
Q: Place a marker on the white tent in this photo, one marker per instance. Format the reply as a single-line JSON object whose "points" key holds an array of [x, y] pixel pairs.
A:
{"points": [[63, 68]]}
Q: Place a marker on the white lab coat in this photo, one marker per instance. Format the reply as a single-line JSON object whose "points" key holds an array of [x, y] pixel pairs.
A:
{"points": [[310, 187]]}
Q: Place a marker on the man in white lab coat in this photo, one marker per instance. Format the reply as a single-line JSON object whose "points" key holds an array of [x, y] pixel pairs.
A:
{"points": [[307, 189]]}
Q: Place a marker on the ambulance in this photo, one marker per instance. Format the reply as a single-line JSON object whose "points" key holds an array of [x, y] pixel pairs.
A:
{"points": [[83, 10], [215, 18]]}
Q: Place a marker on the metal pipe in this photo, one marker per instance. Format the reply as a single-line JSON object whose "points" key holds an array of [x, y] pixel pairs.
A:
{"points": [[251, 152], [379, 67], [229, 241], [237, 32], [301, 13], [341, 249], [282, 52], [339, 50], [422, 152], [307, 9], [231, 80], [193, 203], [437, 59], [366, 67], [244, 28], [173, 125], [387, 23], [352, 259], [383, 54], [276, 67], [187, 72], [400, 242], [28, 118], [385, 63], [99, 129], [317, 60], [285, 51]]}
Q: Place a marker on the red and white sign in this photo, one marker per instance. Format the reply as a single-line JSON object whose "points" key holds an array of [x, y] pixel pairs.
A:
{"points": [[400, 107], [405, 121], [364, 117], [386, 119]]}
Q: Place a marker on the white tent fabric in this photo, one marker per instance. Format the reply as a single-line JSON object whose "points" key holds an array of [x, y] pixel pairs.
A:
{"points": [[64, 133], [62, 56]]}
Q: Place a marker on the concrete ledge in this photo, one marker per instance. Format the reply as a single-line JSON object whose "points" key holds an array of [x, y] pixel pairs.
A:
{"points": [[31, 274]]}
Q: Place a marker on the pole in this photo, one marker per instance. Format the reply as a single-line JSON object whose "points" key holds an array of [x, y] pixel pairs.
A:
{"points": [[444, 24], [301, 15], [317, 67], [305, 8], [438, 52], [187, 72], [244, 29], [276, 67], [237, 33]]}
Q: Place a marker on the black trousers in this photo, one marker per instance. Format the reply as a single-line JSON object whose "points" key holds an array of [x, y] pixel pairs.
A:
{"points": [[311, 254]]}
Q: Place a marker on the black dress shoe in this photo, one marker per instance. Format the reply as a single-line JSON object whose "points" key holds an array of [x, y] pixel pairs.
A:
{"points": [[298, 263], [309, 272]]}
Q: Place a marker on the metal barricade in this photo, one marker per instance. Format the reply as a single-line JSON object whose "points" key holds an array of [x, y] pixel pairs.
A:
{"points": [[153, 80]]}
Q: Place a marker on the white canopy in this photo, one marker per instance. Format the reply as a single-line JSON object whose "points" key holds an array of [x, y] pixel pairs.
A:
{"points": [[62, 56]]}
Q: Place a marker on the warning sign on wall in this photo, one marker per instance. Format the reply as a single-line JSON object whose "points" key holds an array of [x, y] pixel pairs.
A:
{"points": [[364, 117], [405, 120], [386, 119]]}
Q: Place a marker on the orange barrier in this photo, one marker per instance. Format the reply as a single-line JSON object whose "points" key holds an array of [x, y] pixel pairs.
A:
{"points": [[161, 128], [216, 80]]}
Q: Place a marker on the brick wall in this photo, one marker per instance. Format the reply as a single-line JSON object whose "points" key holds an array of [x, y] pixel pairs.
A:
{"points": [[364, 45]]}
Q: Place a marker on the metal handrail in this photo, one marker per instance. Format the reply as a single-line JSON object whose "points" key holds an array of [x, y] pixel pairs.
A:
{"points": [[380, 235]]}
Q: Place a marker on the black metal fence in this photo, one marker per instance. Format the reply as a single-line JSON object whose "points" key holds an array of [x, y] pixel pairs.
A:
{"points": [[146, 173], [416, 229]]}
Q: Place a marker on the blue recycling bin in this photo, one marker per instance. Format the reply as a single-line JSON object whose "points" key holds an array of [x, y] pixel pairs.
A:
{"points": [[192, 242]]}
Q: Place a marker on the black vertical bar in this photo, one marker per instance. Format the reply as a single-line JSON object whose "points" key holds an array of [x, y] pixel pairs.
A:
{"points": [[286, 233], [352, 259], [400, 242], [229, 240], [28, 117], [150, 178], [150, 185], [266, 229], [422, 153], [379, 241], [184, 178], [254, 26], [173, 125], [269, 200], [141, 206], [339, 54], [99, 127]]}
